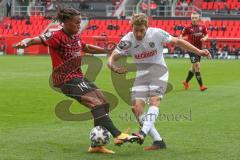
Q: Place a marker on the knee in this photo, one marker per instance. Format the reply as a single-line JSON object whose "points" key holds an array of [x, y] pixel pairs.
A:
{"points": [[95, 101], [154, 101], [92, 103], [137, 110], [196, 67], [193, 69]]}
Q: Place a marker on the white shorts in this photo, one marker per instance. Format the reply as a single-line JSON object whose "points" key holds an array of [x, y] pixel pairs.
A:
{"points": [[144, 89]]}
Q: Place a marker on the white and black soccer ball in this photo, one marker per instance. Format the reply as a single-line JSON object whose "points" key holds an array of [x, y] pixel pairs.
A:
{"points": [[99, 136]]}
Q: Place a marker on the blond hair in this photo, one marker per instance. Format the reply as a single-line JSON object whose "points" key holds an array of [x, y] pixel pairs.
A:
{"points": [[195, 13], [139, 19]]}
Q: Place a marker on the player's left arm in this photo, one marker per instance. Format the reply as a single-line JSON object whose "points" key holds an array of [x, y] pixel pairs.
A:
{"points": [[88, 48], [186, 45]]}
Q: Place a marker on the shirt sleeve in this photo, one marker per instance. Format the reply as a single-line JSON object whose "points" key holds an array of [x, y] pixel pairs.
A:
{"points": [[124, 46], [165, 37], [50, 39]]}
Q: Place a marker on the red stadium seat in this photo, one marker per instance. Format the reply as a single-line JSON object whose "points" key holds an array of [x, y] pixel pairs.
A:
{"points": [[231, 4]]}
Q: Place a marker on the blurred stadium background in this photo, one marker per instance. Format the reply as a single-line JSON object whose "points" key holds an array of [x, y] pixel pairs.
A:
{"points": [[107, 21]]}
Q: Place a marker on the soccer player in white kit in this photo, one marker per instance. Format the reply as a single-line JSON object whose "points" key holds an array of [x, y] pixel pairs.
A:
{"points": [[145, 45]]}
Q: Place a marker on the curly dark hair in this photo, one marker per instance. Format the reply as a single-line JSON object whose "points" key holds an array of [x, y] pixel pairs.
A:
{"points": [[66, 14]]}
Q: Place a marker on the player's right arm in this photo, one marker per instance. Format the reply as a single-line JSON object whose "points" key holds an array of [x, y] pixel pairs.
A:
{"points": [[50, 39], [122, 49], [115, 56], [28, 42]]}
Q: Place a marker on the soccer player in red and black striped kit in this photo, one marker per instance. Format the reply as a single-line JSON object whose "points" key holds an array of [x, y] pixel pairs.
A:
{"points": [[65, 46], [196, 34]]}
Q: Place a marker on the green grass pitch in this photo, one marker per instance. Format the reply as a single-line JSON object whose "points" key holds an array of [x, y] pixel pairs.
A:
{"points": [[205, 124]]}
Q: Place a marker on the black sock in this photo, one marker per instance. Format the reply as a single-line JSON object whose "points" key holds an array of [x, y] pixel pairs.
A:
{"points": [[199, 79], [190, 75], [142, 133], [101, 118]]}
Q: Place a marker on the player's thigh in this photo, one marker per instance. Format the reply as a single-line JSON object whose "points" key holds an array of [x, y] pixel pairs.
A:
{"points": [[101, 95], [82, 91], [138, 106], [196, 66], [92, 99], [156, 94], [158, 87], [97, 91], [155, 101], [139, 92]]}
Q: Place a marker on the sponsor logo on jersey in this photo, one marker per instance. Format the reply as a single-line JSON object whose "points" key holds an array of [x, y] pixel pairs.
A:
{"points": [[146, 54]]}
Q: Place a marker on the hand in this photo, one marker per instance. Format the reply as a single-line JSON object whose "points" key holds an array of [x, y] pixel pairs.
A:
{"points": [[22, 44], [110, 46], [203, 39], [205, 53], [120, 70]]}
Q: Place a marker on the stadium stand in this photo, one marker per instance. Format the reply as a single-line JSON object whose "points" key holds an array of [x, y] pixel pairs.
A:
{"points": [[18, 26], [100, 28], [220, 5], [217, 28]]}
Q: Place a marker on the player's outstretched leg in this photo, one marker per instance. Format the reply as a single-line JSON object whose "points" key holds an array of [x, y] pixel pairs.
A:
{"points": [[91, 97], [100, 109], [148, 125]]}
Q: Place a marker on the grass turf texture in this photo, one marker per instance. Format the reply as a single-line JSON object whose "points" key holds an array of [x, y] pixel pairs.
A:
{"points": [[29, 129]]}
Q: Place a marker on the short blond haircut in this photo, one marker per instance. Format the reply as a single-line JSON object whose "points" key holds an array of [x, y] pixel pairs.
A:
{"points": [[195, 13], [139, 19]]}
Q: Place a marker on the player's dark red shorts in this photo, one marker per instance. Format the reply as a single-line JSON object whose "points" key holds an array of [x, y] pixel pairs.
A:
{"points": [[77, 87], [194, 57]]}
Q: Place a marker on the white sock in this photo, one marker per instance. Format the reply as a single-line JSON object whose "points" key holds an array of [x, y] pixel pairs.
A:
{"points": [[153, 131], [150, 119], [155, 134]]}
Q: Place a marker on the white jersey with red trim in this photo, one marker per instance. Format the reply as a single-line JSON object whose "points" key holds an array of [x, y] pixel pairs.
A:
{"points": [[148, 50]]}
